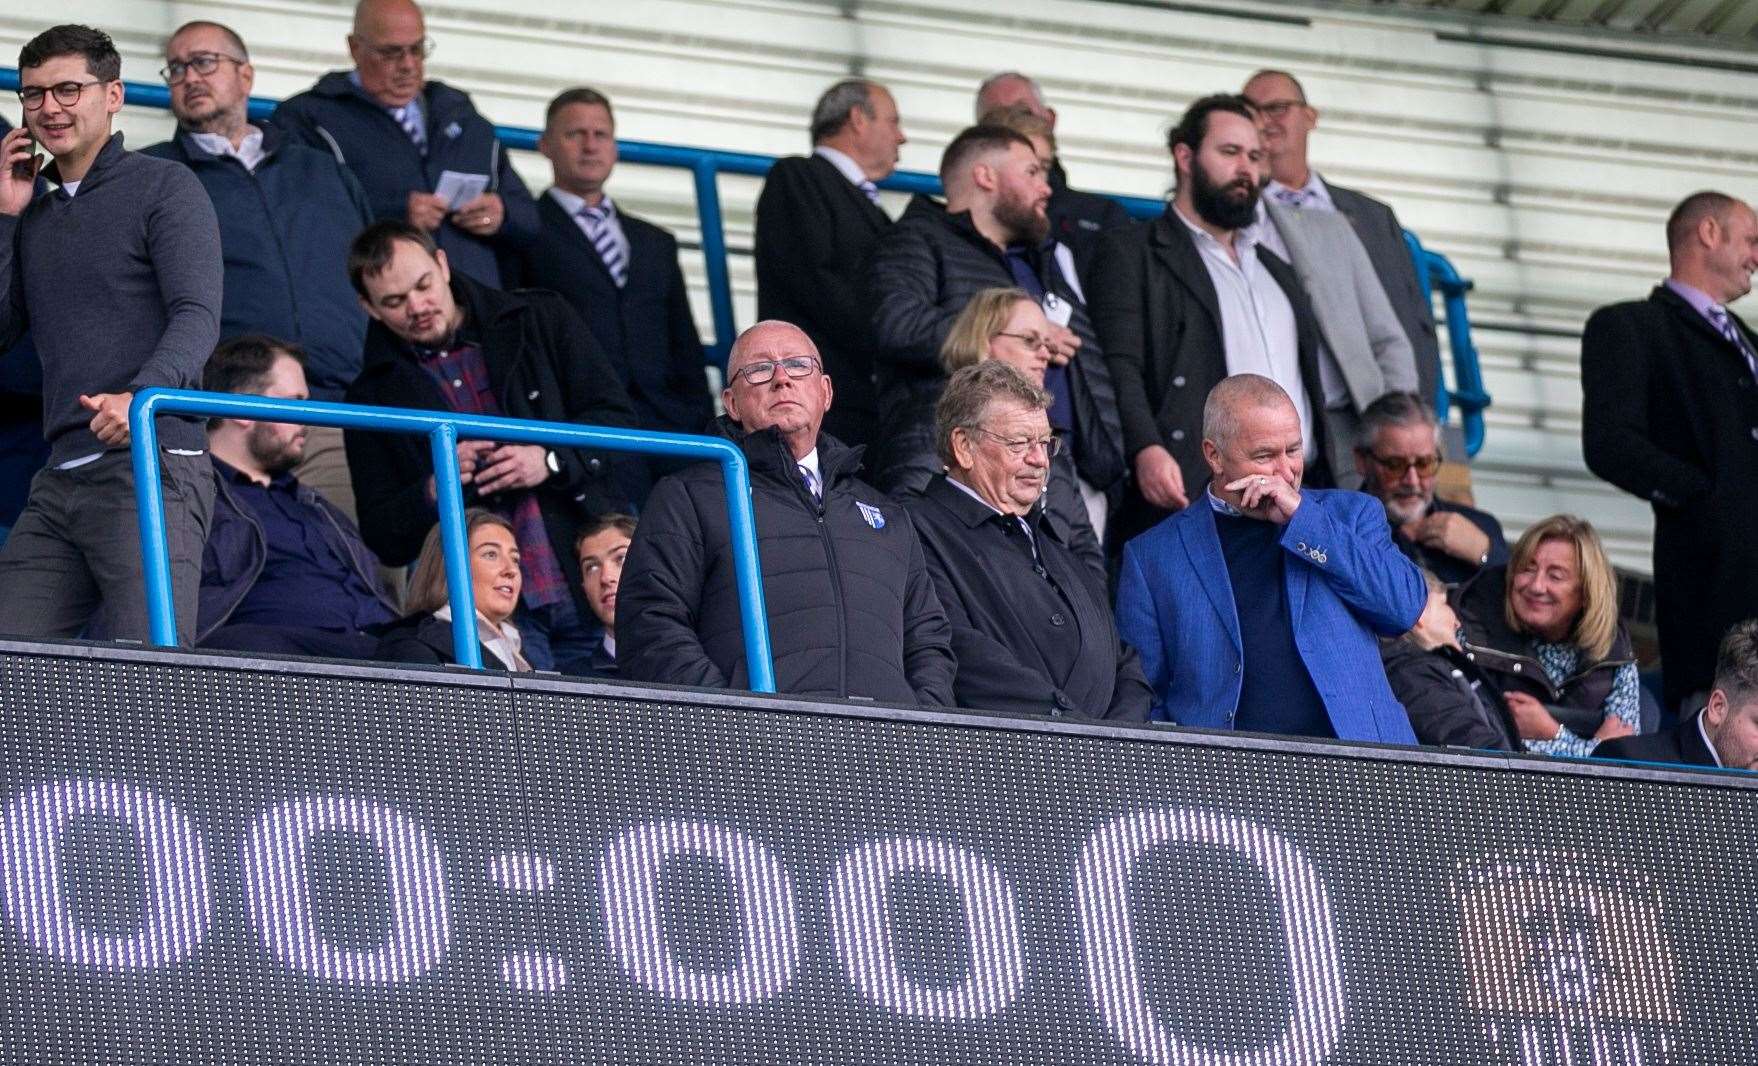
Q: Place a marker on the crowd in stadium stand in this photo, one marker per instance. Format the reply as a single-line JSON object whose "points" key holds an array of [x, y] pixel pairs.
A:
{"points": [[1010, 452]]}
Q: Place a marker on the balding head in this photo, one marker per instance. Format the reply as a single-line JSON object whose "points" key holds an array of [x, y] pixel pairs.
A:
{"points": [[794, 391], [1010, 88], [1712, 241], [389, 45], [1250, 428]]}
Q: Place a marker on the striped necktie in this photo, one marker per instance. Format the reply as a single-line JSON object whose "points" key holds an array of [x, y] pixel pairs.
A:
{"points": [[604, 238], [410, 119], [1725, 323], [811, 482], [871, 190]]}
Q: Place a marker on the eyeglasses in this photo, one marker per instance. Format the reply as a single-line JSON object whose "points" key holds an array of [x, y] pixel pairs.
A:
{"points": [[1017, 448], [797, 366], [391, 53], [203, 63], [67, 93], [1397, 465], [1030, 340], [1278, 108]]}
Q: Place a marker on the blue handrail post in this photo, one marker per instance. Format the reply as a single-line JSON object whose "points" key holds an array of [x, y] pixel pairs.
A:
{"points": [[714, 258], [149, 505], [759, 662], [448, 493]]}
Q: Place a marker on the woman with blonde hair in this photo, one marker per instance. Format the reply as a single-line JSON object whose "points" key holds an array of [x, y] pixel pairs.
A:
{"points": [[1006, 325], [1546, 627], [424, 634]]}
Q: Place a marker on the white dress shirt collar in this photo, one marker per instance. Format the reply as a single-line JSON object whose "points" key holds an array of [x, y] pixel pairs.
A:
{"points": [[572, 204], [1317, 194], [502, 641], [249, 150], [850, 169], [1713, 754]]}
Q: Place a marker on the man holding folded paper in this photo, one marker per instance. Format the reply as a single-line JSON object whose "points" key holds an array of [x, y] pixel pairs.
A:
{"points": [[419, 147]]}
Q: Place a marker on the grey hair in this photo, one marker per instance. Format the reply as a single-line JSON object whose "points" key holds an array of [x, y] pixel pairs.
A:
{"points": [[831, 113], [1234, 394], [965, 401], [1394, 409], [1736, 663], [996, 79]]}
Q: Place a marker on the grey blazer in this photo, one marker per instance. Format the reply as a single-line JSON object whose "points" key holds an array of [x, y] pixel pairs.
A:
{"points": [[1377, 225], [1354, 315]]}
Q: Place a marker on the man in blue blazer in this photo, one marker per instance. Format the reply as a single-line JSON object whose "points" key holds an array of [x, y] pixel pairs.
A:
{"points": [[1256, 608]]}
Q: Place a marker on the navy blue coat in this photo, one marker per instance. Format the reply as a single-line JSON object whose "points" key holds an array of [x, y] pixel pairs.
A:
{"points": [[645, 327], [1345, 584], [339, 117], [285, 231], [237, 549]]}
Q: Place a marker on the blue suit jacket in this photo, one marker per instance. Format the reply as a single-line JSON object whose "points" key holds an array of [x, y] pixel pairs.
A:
{"points": [[1345, 583]]}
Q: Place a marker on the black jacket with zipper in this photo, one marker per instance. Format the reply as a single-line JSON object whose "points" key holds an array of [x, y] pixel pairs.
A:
{"points": [[852, 608], [543, 364], [1510, 659]]}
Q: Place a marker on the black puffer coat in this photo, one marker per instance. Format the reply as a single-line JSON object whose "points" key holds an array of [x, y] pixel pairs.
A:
{"points": [[923, 273], [852, 608]]}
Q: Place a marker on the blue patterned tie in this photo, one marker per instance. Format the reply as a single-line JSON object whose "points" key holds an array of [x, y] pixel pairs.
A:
{"points": [[408, 118], [811, 483], [1292, 197], [604, 238], [871, 190], [1724, 322]]}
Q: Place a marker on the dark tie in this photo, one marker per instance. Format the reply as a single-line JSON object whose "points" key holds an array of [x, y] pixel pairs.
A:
{"points": [[1730, 329], [811, 483], [604, 238]]}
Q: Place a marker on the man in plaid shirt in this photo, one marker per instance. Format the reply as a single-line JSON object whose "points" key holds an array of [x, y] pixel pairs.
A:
{"points": [[441, 341]]}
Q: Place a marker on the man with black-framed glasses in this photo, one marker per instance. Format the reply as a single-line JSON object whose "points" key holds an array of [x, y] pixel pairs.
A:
{"points": [[421, 150], [851, 605], [117, 273], [1398, 453], [287, 215]]}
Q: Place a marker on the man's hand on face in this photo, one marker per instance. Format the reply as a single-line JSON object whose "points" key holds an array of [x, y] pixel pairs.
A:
{"points": [[19, 163], [1266, 496]]}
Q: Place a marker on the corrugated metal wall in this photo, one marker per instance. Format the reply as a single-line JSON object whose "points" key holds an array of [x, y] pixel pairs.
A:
{"points": [[1541, 162]]}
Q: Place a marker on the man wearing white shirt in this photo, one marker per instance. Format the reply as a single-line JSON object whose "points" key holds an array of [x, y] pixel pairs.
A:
{"points": [[287, 214], [1288, 121], [818, 220], [1187, 300], [852, 608]]}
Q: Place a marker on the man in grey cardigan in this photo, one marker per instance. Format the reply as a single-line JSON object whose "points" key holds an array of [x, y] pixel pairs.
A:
{"points": [[117, 272]]}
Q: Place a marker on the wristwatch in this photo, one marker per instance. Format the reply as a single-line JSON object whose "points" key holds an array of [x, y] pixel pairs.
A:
{"points": [[550, 460]]}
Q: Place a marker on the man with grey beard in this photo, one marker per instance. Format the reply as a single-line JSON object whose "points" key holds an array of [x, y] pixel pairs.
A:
{"points": [[1398, 454]]}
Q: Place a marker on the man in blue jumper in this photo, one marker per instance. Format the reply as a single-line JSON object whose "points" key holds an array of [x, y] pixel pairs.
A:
{"points": [[420, 149], [1256, 607], [287, 214], [116, 272]]}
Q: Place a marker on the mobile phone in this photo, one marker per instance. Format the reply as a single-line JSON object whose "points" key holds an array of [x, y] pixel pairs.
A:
{"points": [[28, 168]]}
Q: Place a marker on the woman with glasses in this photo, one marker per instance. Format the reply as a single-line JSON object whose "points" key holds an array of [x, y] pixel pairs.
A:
{"points": [[1031, 625], [1008, 326], [1545, 628]]}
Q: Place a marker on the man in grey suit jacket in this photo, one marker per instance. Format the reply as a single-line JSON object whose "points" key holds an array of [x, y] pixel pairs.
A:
{"points": [[1287, 122], [1364, 353]]}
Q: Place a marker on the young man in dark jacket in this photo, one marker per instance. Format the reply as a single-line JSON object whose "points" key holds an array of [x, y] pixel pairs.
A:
{"points": [[287, 212], [852, 608], [441, 341], [991, 232], [121, 292], [417, 146], [285, 572]]}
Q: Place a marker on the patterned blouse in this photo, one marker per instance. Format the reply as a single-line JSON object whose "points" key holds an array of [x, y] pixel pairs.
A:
{"points": [[1559, 662]]}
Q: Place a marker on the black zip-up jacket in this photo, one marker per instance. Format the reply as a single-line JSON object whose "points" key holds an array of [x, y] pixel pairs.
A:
{"points": [[923, 272], [1511, 661], [852, 608], [1450, 701], [544, 365]]}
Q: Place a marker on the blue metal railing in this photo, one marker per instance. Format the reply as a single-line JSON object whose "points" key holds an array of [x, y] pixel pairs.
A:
{"points": [[706, 165], [443, 430]]}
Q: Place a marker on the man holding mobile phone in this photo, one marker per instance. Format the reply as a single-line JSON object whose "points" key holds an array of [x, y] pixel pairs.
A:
{"points": [[117, 273]]}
